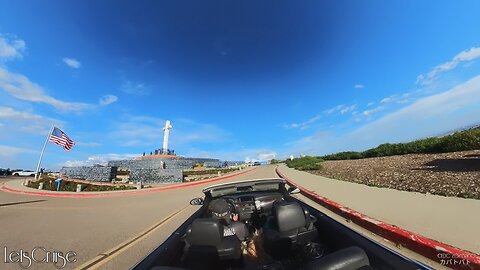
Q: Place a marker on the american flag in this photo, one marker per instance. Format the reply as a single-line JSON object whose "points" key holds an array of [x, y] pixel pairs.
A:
{"points": [[60, 138]]}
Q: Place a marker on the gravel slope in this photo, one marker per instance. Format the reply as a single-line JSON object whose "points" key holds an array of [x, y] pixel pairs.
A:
{"points": [[449, 174]]}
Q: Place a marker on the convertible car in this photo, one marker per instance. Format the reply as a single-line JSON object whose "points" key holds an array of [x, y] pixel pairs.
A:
{"points": [[285, 233]]}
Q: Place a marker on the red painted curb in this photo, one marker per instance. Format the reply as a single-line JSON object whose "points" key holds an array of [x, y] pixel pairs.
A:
{"points": [[120, 193], [439, 252]]}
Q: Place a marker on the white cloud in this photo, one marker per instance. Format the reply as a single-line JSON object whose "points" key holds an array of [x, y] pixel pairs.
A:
{"points": [[372, 111], [147, 131], [464, 56], [134, 88], [303, 125], [8, 151], [435, 114], [399, 99], [335, 109], [266, 155], [11, 48], [342, 109], [101, 159], [71, 62], [348, 109], [428, 116], [10, 113], [359, 86], [236, 155], [22, 88], [26, 121], [370, 104], [107, 99], [388, 99]]}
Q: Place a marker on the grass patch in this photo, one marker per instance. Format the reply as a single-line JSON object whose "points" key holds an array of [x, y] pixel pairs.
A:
{"points": [[459, 141], [50, 184], [305, 163]]}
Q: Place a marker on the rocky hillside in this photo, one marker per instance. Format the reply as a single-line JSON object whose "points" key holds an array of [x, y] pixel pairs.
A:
{"points": [[448, 174]]}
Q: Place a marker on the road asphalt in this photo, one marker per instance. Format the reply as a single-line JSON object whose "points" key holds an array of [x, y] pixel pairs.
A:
{"points": [[94, 226]]}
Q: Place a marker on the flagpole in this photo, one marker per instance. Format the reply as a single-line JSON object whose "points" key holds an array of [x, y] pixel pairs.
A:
{"points": [[41, 154]]}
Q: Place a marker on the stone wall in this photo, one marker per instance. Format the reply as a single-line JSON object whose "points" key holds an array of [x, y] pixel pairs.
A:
{"points": [[152, 176], [147, 170], [95, 173], [136, 164], [151, 170], [179, 164]]}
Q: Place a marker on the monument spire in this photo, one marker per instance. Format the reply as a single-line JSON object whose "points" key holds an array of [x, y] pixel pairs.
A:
{"points": [[166, 132]]}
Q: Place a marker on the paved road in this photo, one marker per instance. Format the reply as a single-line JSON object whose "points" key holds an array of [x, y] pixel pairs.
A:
{"points": [[93, 226], [454, 221]]}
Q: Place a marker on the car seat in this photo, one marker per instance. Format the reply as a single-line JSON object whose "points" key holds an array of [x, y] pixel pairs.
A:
{"points": [[290, 228], [206, 243]]}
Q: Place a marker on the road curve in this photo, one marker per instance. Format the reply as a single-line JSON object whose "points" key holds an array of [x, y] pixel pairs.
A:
{"points": [[94, 226], [116, 232]]}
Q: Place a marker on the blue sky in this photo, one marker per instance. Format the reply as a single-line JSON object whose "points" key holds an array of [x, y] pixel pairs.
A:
{"points": [[238, 79]]}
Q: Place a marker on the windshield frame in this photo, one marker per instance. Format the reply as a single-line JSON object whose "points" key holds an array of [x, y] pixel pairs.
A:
{"points": [[274, 185]]}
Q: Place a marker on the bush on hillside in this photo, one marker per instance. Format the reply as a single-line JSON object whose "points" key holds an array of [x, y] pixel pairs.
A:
{"points": [[343, 155], [459, 141], [305, 163]]}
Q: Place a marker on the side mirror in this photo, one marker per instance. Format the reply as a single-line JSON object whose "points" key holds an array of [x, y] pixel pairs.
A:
{"points": [[196, 201], [293, 190]]}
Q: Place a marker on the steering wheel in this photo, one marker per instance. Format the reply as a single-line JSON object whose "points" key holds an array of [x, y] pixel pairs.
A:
{"points": [[231, 204]]}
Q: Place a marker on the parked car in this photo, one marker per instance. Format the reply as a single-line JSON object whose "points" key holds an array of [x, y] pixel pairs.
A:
{"points": [[24, 173], [5, 172]]}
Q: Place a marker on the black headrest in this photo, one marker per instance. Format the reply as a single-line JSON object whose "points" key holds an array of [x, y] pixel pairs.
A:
{"points": [[205, 232], [289, 215]]}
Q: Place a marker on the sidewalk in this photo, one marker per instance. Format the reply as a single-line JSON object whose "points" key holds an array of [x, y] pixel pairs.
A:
{"points": [[453, 221]]}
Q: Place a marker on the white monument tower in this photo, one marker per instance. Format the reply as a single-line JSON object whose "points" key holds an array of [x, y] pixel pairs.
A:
{"points": [[166, 132]]}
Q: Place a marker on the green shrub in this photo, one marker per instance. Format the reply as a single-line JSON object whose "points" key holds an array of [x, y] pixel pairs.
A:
{"points": [[343, 155], [459, 141], [305, 163], [50, 184]]}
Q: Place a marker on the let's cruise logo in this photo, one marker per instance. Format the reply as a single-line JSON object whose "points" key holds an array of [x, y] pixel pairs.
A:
{"points": [[38, 255]]}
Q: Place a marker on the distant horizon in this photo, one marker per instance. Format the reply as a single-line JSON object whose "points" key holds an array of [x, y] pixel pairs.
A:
{"points": [[242, 80], [265, 161]]}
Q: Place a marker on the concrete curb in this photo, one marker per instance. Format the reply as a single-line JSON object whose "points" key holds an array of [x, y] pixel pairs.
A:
{"points": [[121, 193], [439, 252]]}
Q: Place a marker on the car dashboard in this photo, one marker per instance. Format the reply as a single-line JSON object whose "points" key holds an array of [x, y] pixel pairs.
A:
{"points": [[250, 206]]}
